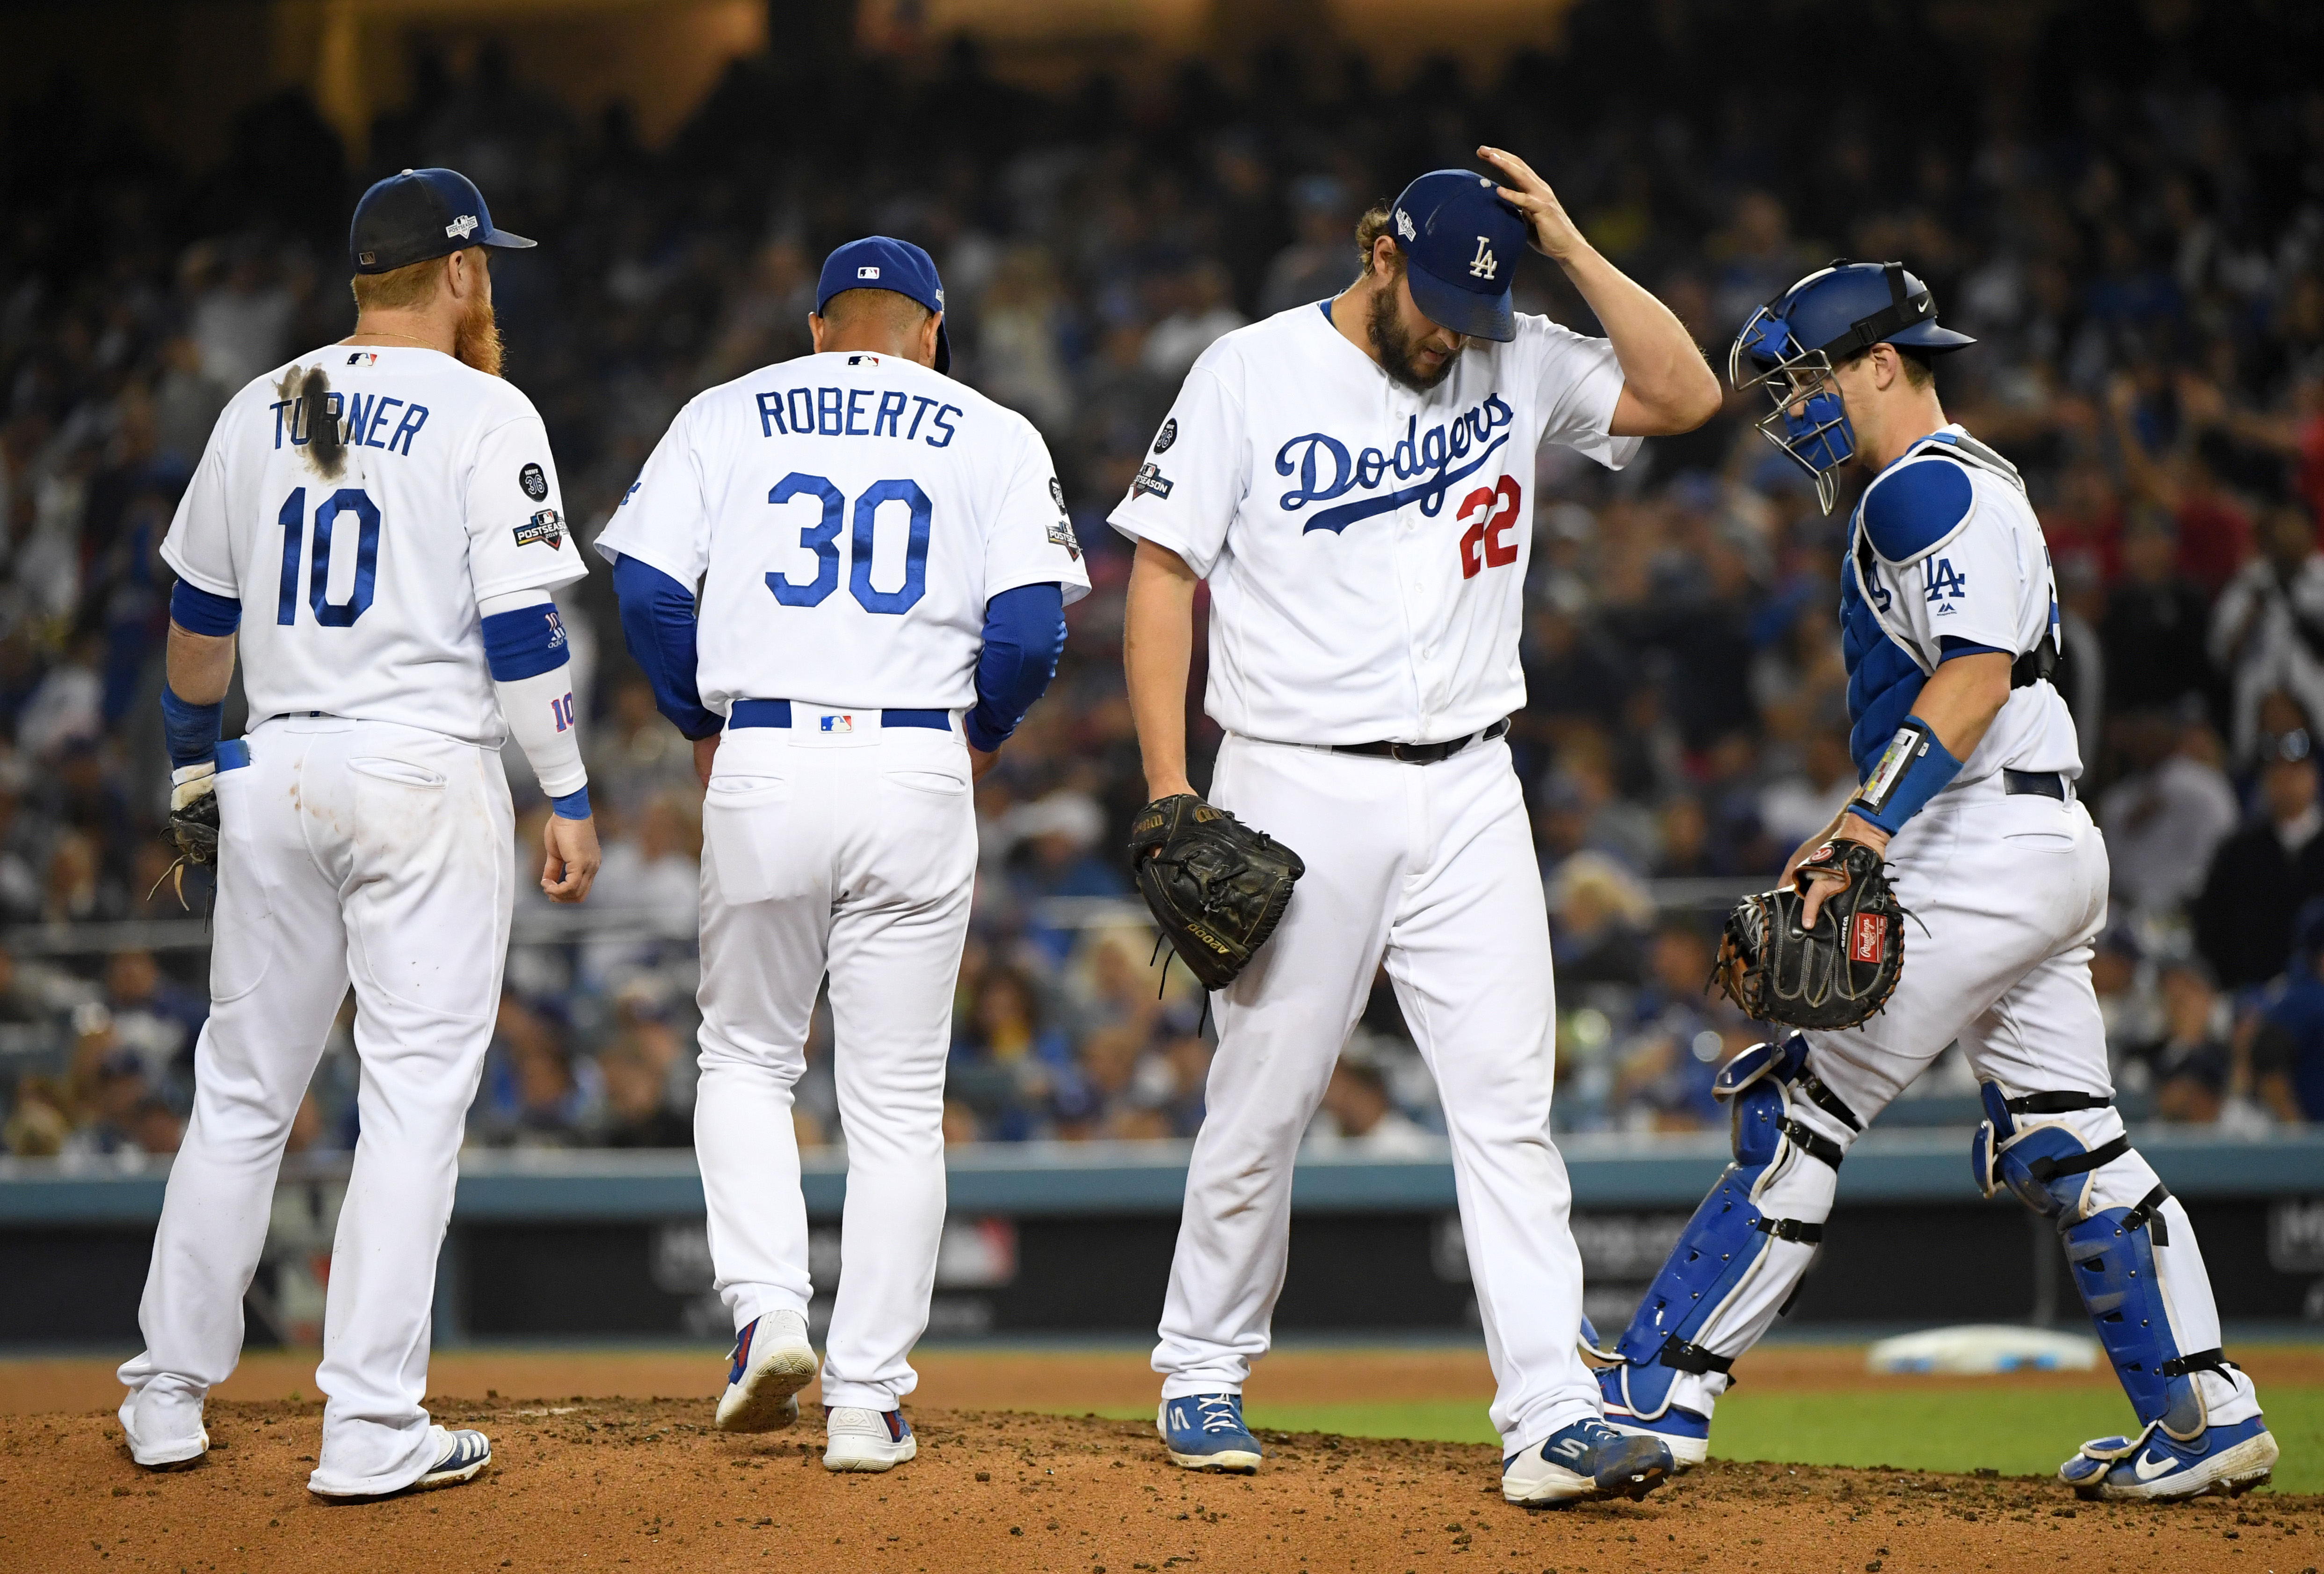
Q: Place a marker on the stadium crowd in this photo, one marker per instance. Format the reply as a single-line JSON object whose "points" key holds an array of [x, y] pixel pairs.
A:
{"points": [[2140, 256]]}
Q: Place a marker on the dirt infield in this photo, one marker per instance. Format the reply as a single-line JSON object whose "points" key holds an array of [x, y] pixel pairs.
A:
{"points": [[605, 1484]]}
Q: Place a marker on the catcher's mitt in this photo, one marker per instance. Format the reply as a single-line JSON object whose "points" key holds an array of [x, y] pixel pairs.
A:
{"points": [[1834, 976], [1217, 887]]}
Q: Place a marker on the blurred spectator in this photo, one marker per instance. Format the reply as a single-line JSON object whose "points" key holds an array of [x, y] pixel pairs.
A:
{"points": [[1323, 261], [2287, 1048], [2127, 1002], [1358, 1120], [2192, 1063], [2267, 630], [636, 1115], [1796, 806], [2166, 818], [1668, 1056], [1598, 912], [2155, 633], [2262, 874]]}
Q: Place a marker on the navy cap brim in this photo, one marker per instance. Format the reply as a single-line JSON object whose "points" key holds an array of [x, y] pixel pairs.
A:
{"points": [[943, 350], [1928, 336], [500, 237], [1464, 311]]}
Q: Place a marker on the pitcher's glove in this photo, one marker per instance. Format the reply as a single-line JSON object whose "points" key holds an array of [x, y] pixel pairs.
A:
{"points": [[192, 827], [1216, 887], [1834, 976]]}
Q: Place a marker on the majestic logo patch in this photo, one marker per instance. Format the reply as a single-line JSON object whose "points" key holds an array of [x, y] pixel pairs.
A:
{"points": [[1869, 941], [1150, 480], [548, 525], [534, 482], [1483, 265], [462, 227], [1166, 436]]}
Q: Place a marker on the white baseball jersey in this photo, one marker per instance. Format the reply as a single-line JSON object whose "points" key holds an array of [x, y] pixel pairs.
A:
{"points": [[847, 516], [360, 579], [1366, 545], [1945, 552]]}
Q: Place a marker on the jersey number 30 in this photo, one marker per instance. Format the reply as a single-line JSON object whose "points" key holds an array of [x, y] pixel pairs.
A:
{"points": [[823, 538], [347, 501]]}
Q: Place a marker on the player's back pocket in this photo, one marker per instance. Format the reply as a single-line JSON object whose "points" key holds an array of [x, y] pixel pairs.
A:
{"points": [[763, 842]]}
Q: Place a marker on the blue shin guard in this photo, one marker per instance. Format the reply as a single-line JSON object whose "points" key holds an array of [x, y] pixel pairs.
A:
{"points": [[2053, 1171], [1723, 1247]]}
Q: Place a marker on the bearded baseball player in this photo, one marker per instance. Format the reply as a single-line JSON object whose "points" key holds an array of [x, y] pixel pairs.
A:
{"points": [[882, 558], [1354, 478], [1950, 623], [389, 505]]}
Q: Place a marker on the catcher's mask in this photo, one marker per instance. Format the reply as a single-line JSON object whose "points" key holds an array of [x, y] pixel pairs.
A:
{"points": [[1789, 346]]}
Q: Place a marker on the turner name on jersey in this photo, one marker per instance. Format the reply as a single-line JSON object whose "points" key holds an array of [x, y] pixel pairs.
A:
{"points": [[359, 502], [846, 516]]}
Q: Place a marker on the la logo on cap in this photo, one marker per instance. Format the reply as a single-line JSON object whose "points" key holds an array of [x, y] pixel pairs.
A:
{"points": [[867, 271]]}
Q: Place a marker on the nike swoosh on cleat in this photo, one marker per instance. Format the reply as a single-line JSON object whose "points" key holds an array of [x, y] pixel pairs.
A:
{"points": [[2161, 1466]]}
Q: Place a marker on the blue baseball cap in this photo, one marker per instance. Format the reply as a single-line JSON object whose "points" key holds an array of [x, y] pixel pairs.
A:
{"points": [[878, 262], [418, 214], [1460, 243]]}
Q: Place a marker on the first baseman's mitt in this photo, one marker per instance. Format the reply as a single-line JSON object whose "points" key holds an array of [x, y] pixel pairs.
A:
{"points": [[1834, 976], [1217, 887]]}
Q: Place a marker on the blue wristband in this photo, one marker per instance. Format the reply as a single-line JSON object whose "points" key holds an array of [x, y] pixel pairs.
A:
{"points": [[191, 730], [574, 805], [1914, 768]]}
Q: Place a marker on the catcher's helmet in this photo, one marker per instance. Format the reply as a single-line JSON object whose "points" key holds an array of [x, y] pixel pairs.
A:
{"points": [[1790, 345]]}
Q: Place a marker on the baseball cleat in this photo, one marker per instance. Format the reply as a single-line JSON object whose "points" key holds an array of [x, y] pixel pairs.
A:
{"points": [[1584, 1463], [178, 1457], [773, 1362], [2225, 1460], [1680, 1431], [463, 1457], [1204, 1431], [867, 1440]]}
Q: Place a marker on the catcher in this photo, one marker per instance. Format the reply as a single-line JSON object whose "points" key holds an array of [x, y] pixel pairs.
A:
{"points": [[1969, 760]]}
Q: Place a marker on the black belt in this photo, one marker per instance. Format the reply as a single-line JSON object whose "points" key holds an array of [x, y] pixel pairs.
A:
{"points": [[1423, 753], [778, 713], [2041, 784]]}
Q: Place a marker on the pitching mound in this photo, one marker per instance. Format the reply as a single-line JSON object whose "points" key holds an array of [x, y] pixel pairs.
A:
{"points": [[582, 1483]]}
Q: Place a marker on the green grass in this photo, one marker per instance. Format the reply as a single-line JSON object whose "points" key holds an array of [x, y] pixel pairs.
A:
{"points": [[1951, 1429]]}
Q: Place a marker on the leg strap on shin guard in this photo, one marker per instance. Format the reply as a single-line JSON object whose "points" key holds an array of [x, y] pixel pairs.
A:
{"points": [[1681, 1357]]}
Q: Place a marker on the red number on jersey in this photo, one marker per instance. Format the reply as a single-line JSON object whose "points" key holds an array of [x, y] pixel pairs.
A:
{"points": [[1490, 513]]}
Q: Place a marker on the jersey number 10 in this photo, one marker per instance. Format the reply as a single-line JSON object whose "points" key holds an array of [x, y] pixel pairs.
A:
{"points": [[823, 538], [346, 500]]}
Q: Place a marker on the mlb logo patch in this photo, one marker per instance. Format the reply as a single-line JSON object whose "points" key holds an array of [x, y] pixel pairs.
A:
{"points": [[362, 358], [838, 724], [1869, 941]]}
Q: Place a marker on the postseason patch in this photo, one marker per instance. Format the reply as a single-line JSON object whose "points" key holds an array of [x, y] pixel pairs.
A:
{"points": [[534, 482], [1150, 478], [547, 525], [1166, 436]]}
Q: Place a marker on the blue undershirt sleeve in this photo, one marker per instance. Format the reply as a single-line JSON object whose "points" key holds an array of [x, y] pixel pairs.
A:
{"points": [[1024, 634], [658, 626]]}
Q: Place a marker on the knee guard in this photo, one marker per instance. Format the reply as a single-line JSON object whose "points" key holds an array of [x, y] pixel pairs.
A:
{"points": [[2053, 1170], [1727, 1237]]}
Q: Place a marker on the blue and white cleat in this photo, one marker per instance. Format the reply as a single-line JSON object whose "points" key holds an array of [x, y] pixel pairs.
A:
{"points": [[1584, 1463], [463, 1455], [1680, 1431], [773, 1362], [867, 1440], [1204, 1431], [2225, 1460]]}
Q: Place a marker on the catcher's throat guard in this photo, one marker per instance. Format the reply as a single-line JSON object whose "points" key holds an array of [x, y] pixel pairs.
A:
{"points": [[1216, 887], [1836, 975]]}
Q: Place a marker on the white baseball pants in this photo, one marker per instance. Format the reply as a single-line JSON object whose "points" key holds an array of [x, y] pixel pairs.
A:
{"points": [[1434, 867], [347, 850], [2011, 891], [853, 851]]}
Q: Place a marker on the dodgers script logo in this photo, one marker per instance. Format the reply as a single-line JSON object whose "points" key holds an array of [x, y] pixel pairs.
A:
{"points": [[1325, 470]]}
